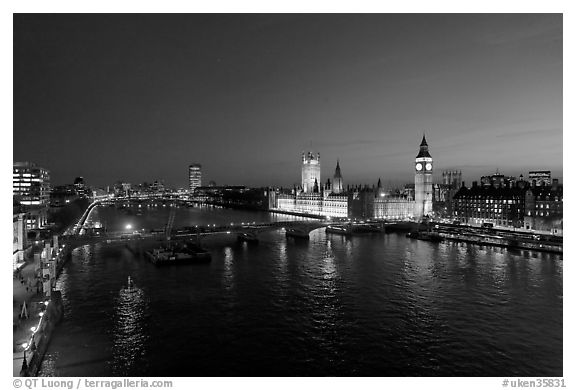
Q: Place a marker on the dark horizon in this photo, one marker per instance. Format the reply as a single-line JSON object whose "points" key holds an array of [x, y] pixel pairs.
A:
{"points": [[140, 97]]}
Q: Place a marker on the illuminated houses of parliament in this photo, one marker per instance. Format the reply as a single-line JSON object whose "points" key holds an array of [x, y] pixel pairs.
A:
{"points": [[310, 172], [329, 199]]}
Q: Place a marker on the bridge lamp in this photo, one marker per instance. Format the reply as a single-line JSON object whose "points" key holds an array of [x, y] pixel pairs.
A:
{"points": [[128, 227], [33, 329]]}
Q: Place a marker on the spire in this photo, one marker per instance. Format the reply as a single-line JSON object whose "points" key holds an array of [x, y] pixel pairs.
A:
{"points": [[423, 148], [423, 143], [337, 173], [379, 183]]}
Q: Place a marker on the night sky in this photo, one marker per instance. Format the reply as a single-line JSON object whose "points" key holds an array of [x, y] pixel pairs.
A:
{"points": [[140, 97]]}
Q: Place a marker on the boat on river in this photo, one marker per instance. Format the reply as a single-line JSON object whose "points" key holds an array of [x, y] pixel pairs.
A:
{"points": [[295, 233], [425, 236], [247, 237], [130, 287], [343, 230], [187, 253]]}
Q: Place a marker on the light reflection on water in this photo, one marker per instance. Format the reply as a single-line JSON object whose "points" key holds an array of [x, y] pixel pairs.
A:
{"points": [[365, 305], [130, 332]]}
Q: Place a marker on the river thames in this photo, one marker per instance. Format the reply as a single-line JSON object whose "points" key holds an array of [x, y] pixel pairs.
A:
{"points": [[371, 305]]}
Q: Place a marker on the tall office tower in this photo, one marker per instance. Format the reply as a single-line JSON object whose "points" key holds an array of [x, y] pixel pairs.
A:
{"points": [[310, 171], [338, 184], [194, 176], [423, 181], [31, 184]]}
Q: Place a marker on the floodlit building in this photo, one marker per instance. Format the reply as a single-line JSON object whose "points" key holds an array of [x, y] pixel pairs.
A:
{"points": [[500, 206], [393, 206], [423, 181], [539, 178], [498, 180], [544, 208], [19, 242], [310, 172], [31, 188], [30, 184], [331, 200], [194, 176]]}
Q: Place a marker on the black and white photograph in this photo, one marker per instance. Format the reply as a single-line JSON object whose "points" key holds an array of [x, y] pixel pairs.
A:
{"points": [[288, 195]]}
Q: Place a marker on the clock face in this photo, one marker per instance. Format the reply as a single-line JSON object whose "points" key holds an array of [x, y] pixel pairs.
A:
{"points": [[418, 167], [428, 167]]}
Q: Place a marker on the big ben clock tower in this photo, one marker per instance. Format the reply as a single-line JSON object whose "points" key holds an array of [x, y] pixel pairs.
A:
{"points": [[423, 181]]}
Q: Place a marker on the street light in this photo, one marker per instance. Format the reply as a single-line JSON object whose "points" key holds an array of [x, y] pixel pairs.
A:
{"points": [[24, 362]]}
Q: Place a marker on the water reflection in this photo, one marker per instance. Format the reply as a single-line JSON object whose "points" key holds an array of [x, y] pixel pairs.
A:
{"points": [[228, 274], [328, 266], [130, 332]]}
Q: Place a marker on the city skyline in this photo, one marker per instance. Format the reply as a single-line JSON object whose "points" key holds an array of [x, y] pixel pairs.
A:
{"points": [[245, 95]]}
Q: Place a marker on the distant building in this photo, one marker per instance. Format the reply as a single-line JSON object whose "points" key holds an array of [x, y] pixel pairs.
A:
{"points": [[31, 188], [500, 206], [539, 178], [313, 197], [445, 191], [544, 208], [321, 203], [80, 187], [235, 196], [194, 176], [157, 187], [310, 172], [498, 180], [393, 205], [360, 202], [452, 178], [335, 205], [31, 184], [62, 195], [19, 243]]}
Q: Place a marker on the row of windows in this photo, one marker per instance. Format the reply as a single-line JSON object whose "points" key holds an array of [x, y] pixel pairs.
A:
{"points": [[539, 197], [487, 201], [542, 213], [547, 206], [482, 197]]}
